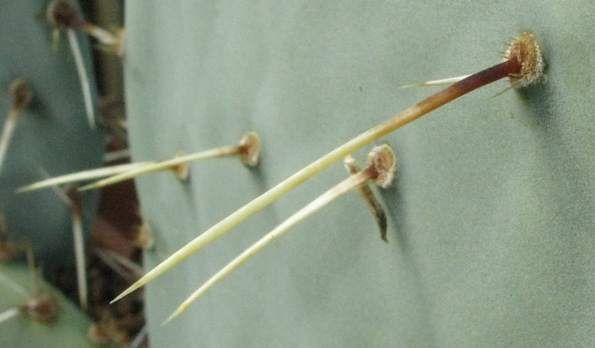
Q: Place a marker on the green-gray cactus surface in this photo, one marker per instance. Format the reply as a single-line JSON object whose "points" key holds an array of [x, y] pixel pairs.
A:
{"points": [[491, 230]]}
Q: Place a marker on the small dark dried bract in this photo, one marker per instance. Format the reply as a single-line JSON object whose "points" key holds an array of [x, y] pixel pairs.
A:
{"points": [[369, 198]]}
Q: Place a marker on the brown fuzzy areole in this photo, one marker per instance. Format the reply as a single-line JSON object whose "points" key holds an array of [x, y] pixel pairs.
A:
{"points": [[144, 237], [63, 15], [525, 50], [383, 160], [250, 149], [181, 170], [73, 194], [43, 307], [21, 94]]}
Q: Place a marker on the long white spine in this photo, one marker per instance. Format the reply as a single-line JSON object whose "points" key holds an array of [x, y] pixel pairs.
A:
{"points": [[80, 68]]}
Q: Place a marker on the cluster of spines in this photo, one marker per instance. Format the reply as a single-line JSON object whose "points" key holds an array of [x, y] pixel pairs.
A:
{"points": [[43, 305], [523, 65]]}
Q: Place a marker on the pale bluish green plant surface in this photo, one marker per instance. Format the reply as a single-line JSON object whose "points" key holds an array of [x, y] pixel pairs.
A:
{"points": [[491, 218]]}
